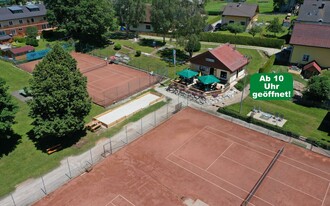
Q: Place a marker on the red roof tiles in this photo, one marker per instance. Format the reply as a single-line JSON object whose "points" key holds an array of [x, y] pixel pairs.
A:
{"points": [[312, 66], [22, 50], [225, 57], [314, 35]]}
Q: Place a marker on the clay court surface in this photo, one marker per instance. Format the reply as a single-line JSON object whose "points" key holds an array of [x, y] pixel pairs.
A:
{"points": [[107, 83], [198, 156]]}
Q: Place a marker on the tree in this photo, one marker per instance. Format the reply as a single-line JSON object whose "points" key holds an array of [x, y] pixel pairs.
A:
{"points": [[193, 45], [235, 28], [7, 110], [255, 30], [277, 4], [60, 99], [190, 20], [130, 12], [318, 89], [31, 35], [87, 21], [275, 26], [163, 16]]}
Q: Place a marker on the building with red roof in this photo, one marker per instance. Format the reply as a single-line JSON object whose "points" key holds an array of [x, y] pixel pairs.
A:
{"points": [[310, 42], [224, 62], [311, 69], [16, 52]]}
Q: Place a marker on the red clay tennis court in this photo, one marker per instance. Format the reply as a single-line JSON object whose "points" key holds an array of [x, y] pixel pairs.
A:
{"points": [[106, 83], [198, 156]]}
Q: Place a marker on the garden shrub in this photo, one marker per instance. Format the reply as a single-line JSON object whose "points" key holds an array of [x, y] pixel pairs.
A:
{"points": [[243, 40], [32, 41], [117, 46], [138, 53], [19, 39]]}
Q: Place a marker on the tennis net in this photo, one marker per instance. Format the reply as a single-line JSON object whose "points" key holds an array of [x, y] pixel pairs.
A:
{"points": [[92, 68], [262, 177]]}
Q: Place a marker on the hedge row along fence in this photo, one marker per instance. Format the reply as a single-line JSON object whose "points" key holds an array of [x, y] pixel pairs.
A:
{"points": [[243, 40], [280, 130]]}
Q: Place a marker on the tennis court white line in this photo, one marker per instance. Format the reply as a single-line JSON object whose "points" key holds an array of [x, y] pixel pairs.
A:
{"points": [[215, 177], [204, 178], [325, 196], [185, 142], [219, 156], [272, 152], [268, 176], [111, 202]]}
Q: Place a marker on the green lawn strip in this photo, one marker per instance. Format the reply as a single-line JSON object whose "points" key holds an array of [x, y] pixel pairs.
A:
{"points": [[134, 45], [256, 59], [265, 6], [299, 144], [215, 6], [213, 19], [108, 51], [269, 17], [302, 120]]}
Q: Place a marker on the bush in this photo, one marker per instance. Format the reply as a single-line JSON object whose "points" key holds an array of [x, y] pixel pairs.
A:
{"points": [[32, 41], [117, 46], [138, 53], [268, 65], [19, 39], [243, 40], [240, 84], [214, 13]]}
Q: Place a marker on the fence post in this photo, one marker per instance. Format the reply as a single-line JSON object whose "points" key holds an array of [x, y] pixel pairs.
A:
{"points": [[11, 195], [43, 183], [126, 134], [90, 152], [67, 160], [141, 127]]}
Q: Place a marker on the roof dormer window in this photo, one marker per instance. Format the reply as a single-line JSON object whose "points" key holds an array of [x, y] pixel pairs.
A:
{"points": [[32, 7], [15, 9]]}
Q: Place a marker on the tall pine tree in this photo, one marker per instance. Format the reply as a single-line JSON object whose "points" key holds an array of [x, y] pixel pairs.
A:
{"points": [[7, 111], [60, 99]]}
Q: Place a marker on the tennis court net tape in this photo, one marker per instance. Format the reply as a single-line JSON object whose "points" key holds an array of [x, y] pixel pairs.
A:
{"points": [[262, 177], [93, 67]]}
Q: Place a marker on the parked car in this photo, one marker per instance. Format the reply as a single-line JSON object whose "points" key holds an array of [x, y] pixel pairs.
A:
{"points": [[217, 27]]}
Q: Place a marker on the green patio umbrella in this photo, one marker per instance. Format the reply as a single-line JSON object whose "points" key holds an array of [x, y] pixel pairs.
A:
{"points": [[187, 73], [208, 79]]}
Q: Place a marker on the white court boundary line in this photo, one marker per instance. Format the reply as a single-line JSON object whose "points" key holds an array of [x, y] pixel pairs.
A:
{"points": [[325, 196], [111, 201], [272, 152]]}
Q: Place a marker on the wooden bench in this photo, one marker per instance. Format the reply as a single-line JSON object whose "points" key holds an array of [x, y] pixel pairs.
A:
{"points": [[93, 126], [54, 149]]}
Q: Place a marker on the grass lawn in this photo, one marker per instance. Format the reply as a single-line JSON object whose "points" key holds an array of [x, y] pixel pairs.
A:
{"points": [[257, 59], [25, 160], [302, 120], [213, 19], [265, 6]]}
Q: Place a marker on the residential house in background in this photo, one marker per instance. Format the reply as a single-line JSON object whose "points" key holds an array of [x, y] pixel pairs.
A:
{"points": [[314, 11], [310, 42], [242, 13], [15, 19], [144, 26], [224, 62]]}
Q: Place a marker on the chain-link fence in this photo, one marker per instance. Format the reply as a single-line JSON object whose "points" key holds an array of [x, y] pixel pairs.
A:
{"points": [[73, 166]]}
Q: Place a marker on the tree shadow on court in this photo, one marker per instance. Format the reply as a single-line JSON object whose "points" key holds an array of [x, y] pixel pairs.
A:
{"points": [[325, 124], [9, 141], [47, 142]]}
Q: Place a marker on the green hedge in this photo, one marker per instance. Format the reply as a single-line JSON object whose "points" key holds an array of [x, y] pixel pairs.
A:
{"points": [[243, 40], [214, 13], [280, 130], [240, 84], [268, 65]]}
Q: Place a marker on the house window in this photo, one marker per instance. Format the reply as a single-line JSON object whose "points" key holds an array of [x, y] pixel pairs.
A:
{"points": [[13, 32], [10, 23], [134, 26], [242, 23], [2, 33], [20, 29], [44, 18], [305, 58], [32, 20], [20, 21], [231, 22], [0, 25], [44, 26], [148, 27], [223, 75]]}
